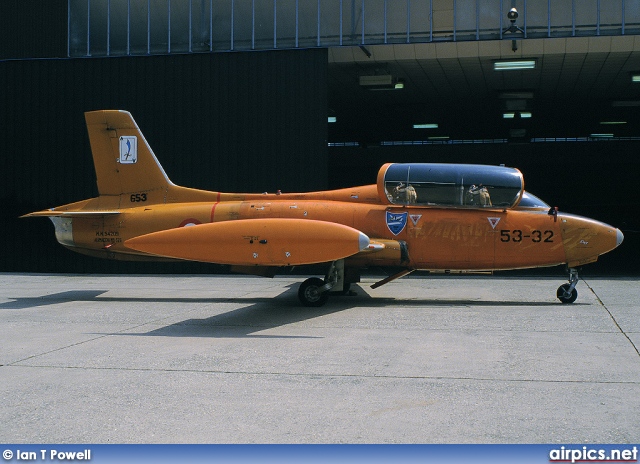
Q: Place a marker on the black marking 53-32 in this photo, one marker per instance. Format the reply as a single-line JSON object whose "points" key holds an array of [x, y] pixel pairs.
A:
{"points": [[536, 236]]}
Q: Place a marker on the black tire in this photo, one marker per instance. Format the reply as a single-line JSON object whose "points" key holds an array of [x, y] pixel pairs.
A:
{"points": [[564, 296], [310, 294]]}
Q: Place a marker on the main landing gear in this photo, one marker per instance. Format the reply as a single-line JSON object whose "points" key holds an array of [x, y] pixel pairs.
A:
{"points": [[567, 293], [314, 292]]}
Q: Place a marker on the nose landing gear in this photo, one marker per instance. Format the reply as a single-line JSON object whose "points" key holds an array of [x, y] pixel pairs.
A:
{"points": [[567, 293]]}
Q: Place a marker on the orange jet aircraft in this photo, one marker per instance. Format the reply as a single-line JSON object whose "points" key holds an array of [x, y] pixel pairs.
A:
{"points": [[437, 217]]}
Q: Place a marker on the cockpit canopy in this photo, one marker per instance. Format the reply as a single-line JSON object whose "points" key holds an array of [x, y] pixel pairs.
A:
{"points": [[450, 185]]}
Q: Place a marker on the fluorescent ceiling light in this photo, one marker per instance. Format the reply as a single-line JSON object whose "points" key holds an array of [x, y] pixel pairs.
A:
{"points": [[635, 78], [612, 123], [512, 115], [513, 65], [625, 103], [425, 126], [601, 136], [381, 82], [332, 119], [444, 137], [516, 95]]}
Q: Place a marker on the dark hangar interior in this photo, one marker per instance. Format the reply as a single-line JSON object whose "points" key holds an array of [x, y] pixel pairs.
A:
{"points": [[301, 95]]}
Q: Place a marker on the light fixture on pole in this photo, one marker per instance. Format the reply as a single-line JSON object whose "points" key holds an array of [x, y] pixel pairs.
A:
{"points": [[512, 15]]}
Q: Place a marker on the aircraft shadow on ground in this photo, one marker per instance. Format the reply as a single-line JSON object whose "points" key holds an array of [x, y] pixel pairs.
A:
{"points": [[258, 313]]}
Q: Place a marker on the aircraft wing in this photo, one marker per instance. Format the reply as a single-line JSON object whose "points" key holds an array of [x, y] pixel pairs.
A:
{"points": [[70, 214], [255, 242]]}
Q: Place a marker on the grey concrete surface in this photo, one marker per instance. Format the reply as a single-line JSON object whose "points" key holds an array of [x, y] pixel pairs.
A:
{"points": [[220, 359]]}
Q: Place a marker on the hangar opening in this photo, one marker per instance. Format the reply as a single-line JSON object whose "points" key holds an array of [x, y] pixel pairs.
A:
{"points": [[304, 95]]}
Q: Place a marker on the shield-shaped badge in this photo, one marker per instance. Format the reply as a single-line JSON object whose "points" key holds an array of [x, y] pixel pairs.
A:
{"points": [[396, 222]]}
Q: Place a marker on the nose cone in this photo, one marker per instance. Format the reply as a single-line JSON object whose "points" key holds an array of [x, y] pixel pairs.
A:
{"points": [[585, 239], [620, 238], [363, 241]]}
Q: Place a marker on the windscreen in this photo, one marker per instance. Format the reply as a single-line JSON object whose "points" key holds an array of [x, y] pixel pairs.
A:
{"points": [[529, 200], [451, 185]]}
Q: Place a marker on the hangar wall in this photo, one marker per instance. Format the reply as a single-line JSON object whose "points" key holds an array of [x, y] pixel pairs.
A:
{"points": [[230, 122], [33, 29]]}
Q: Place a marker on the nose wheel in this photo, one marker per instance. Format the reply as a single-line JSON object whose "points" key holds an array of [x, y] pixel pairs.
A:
{"points": [[567, 293]]}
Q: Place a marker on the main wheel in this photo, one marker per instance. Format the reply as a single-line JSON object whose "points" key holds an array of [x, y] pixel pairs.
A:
{"points": [[310, 293], [565, 296]]}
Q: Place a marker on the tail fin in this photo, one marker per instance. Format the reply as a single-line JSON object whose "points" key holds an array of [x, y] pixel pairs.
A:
{"points": [[124, 162]]}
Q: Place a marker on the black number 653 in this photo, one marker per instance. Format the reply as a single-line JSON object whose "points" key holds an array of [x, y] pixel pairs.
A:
{"points": [[138, 197]]}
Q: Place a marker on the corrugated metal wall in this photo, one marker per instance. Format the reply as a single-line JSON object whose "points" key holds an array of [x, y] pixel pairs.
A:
{"points": [[230, 122]]}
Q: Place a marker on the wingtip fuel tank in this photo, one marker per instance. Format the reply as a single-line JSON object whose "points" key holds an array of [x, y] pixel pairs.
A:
{"points": [[255, 242]]}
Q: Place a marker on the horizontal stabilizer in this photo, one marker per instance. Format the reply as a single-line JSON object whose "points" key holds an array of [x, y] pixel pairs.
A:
{"points": [[70, 214], [255, 242]]}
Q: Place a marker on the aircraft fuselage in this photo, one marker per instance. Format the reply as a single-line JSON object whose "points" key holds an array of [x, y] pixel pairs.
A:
{"points": [[436, 239]]}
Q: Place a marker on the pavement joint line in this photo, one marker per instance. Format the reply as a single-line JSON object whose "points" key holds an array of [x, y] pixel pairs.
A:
{"points": [[120, 332], [612, 317], [320, 375]]}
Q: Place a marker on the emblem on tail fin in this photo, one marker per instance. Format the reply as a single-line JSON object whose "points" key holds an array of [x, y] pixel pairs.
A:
{"points": [[128, 149]]}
